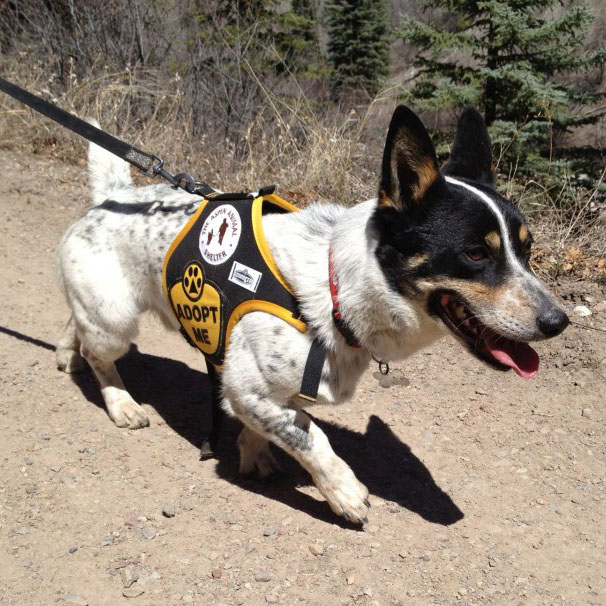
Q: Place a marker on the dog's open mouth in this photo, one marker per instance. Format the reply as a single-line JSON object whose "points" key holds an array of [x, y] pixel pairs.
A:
{"points": [[485, 343]]}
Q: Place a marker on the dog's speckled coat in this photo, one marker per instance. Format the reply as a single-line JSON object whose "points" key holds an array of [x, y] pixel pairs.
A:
{"points": [[111, 270]]}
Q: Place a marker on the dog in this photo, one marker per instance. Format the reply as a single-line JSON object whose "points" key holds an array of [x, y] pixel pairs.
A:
{"points": [[438, 252]]}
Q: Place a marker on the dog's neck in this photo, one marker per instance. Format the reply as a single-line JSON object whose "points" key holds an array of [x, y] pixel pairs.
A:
{"points": [[386, 323]]}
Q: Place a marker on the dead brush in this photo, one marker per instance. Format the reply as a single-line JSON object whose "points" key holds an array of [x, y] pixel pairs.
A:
{"points": [[321, 156], [570, 230]]}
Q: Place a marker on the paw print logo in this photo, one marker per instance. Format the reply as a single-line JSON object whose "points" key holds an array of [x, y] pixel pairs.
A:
{"points": [[193, 281]]}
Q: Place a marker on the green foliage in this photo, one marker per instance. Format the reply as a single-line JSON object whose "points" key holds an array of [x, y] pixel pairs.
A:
{"points": [[270, 38], [358, 45], [511, 58], [503, 56]]}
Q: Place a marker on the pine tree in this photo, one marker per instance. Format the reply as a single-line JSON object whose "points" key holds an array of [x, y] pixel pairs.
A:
{"points": [[297, 40], [511, 58], [503, 56], [270, 35], [358, 46]]}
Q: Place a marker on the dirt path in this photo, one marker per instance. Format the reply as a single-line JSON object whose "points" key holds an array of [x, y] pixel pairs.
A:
{"points": [[485, 489]]}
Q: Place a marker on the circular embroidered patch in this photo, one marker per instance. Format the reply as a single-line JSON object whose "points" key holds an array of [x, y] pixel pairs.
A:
{"points": [[220, 234]]}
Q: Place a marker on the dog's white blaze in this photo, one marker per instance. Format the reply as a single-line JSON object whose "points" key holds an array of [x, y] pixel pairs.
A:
{"points": [[510, 255]]}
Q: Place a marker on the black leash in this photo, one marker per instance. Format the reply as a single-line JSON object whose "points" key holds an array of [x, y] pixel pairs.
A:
{"points": [[150, 164]]}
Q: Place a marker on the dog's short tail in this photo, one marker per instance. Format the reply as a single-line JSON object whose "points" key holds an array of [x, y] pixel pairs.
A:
{"points": [[107, 172]]}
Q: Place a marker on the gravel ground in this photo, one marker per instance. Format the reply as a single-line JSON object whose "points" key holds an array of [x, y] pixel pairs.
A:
{"points": [[485, 489]]}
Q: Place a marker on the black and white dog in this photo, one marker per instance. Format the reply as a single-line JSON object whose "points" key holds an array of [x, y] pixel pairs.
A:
{"points": [[438, 253]]}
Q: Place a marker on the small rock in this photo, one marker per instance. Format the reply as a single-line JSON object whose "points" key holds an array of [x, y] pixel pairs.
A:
{"points": [[587, 412], [317, 549], [492, 563], [270, 598], [367, 591], [168, 511], [188, 597], [589, 299], [462, 591], [133, 592], [76, 600], [426, 556], [269, 531], [148, 532], [73, 549], [262, 576], [216, 573], [128, 576], [31, 489], [600, 307], [582, 311], [350, 579]]}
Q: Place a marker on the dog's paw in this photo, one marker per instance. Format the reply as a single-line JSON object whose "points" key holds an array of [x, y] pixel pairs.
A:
{"points": [[346, 495], [70, 361], [127, 413], [255, 456]]}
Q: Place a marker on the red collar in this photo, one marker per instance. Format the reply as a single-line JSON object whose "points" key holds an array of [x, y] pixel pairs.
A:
{"points": [[341, 325]]}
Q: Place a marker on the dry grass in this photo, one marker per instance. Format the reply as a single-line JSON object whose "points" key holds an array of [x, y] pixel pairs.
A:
{"points": [[320, 156], [310, 155]]}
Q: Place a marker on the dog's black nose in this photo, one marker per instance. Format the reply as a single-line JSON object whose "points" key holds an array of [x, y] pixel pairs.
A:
{"points": [[552, 322]]}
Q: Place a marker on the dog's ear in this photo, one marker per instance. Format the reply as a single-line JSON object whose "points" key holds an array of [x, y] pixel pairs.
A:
{"points": [[471, 154], [410, 166]]}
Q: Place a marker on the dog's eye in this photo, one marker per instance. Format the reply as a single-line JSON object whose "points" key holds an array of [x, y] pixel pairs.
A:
{"points": [[476, 254]]}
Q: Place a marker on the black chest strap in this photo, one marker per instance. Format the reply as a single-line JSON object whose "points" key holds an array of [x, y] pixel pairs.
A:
{"points": [[313, 371]]}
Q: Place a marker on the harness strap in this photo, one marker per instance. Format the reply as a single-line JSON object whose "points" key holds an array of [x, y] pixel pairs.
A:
{"points": [[313, 371]]}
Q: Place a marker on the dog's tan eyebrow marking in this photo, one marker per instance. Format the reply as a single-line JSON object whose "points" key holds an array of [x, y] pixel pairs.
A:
{"points": [[417, 260], [523, 233], [493, 240]]}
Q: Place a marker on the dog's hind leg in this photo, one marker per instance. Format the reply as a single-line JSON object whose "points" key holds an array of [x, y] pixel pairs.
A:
{"points": [[255, 455], [103, 340], [121, 407], [68, 349]]}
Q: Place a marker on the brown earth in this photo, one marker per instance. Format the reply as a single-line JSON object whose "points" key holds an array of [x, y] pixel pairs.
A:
{"points": [[485, 489]]}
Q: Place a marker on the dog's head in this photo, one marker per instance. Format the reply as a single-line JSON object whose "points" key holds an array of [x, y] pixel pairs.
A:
{"points": [[448, 240]]}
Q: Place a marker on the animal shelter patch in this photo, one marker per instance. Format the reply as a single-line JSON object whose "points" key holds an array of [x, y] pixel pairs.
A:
{"points": [[220, 234]]}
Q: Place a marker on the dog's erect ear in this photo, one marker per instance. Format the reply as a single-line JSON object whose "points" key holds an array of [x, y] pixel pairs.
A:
{"points": [[410, 165], [471, 154]]}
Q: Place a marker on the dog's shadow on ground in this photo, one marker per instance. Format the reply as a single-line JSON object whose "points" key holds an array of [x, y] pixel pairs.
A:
{"points": [[181, 396]]}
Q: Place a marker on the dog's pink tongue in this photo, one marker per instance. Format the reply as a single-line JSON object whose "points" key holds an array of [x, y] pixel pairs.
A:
{"points": [[520, 356]]}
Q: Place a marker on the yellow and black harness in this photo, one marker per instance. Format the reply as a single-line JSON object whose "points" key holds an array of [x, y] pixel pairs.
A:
{"points": [[220, 268]]}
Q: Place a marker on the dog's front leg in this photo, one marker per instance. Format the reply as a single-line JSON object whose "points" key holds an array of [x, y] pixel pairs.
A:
{"points": [[293, 431]]}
